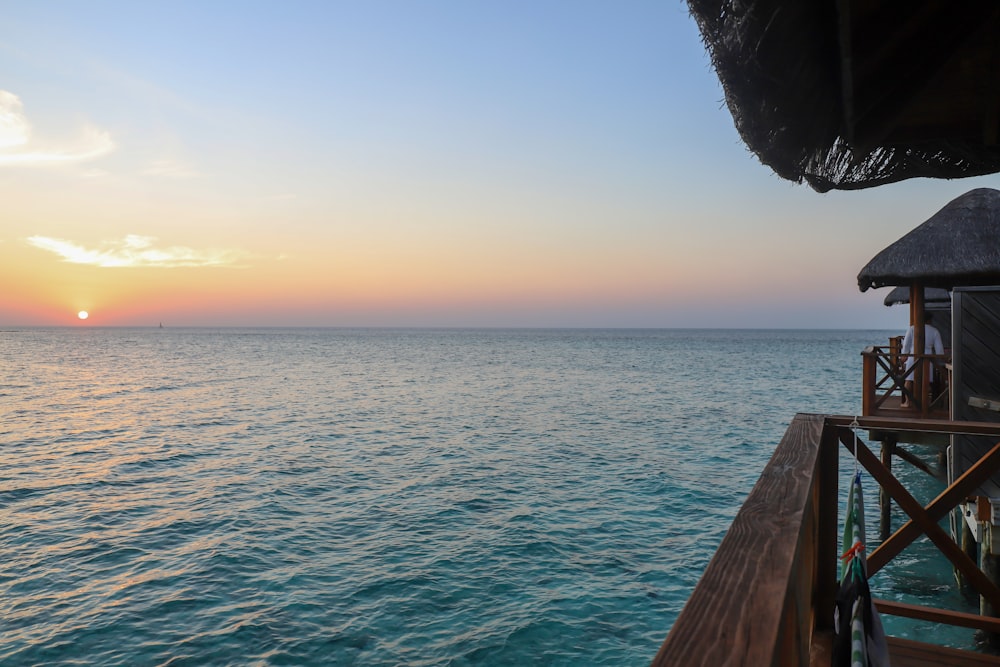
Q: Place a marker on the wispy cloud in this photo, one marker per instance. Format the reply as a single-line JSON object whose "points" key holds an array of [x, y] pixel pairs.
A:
{"points": [[136, 251], [17, 148], [14, 128]]}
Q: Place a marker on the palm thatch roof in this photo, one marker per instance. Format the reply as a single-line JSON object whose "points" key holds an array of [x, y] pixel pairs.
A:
{"points": [[850, 94], [957, 246], [901, 294]]}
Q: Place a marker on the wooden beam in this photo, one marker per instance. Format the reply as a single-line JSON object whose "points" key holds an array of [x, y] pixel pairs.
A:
{"points": [[754, 603], [934, 615], [898, 378], [910, 653], [884, 499], [917, 463], [946, 501], [910, 425], [869, 362], [828, 541], [919, 515]]}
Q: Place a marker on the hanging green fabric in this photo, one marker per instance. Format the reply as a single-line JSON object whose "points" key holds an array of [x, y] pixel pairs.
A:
{"points": [[860, 640]]}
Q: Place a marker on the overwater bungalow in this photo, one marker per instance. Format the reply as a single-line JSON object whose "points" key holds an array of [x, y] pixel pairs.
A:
{"points": [[850, 94]]}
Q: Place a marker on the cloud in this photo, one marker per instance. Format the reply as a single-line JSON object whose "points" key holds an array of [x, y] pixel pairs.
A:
{"points": [[14, 128], [136, 251], [15, 140]]}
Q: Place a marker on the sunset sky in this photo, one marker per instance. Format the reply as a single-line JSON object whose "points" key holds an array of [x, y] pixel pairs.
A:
{"points": [[435, 163]]}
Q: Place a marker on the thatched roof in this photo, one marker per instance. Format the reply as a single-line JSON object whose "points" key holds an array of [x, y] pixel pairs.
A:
{"points": [[850, 94], [957, 246], [901, 294]]}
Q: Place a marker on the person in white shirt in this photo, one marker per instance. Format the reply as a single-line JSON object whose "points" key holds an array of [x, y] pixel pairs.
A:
{"points": [[932, 345]]}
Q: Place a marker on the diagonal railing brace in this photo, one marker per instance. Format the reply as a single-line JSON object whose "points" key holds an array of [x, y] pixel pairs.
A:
{"points": [[946, 501], [923, 521]]}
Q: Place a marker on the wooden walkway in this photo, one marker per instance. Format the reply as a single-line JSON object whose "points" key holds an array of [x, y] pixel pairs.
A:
{"points": [[908, 653], [767, 596]]}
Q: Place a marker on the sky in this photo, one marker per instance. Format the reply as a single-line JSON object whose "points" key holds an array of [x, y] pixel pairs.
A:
{"points": [[437, 163]]}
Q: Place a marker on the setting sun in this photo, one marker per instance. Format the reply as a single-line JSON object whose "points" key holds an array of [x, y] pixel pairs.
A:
{"points": [[83, 314]]}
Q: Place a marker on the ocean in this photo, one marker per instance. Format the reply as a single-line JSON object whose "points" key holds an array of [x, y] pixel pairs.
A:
{"points": [[384, 496]]}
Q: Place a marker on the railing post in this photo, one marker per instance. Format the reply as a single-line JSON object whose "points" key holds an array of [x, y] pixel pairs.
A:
{"points": [[826, 540], [884, 499], [925, 385], [868, 381]]}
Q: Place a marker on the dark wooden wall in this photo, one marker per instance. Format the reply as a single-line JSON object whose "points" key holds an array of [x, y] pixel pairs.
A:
{"points": [[976, 370]]}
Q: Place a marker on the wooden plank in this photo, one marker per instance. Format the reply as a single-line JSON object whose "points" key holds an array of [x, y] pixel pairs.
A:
{"points": [[821, 649], [908, 424], [884, 499], [918, 463], [868, 381], [916, 511], [945, 616], [909, 653], [976, 370], [828, 541], [747, 608], [946, 501]]}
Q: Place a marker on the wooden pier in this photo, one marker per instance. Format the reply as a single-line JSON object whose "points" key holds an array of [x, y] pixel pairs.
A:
{"points": [[767, 596]]}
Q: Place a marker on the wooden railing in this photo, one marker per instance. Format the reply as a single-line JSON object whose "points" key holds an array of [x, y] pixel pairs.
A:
{"points": [[768, 592], [885, 376]]}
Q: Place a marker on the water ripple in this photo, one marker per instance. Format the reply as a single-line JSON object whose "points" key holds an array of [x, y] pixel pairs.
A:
{"points": [[297, 497]]}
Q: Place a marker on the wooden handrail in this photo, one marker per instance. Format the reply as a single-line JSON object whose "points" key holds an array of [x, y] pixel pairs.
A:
{"points": [[923, 521], [924, 425], [769, 589], [944, 616], [773, 577], [938, 509], [877, 389]]}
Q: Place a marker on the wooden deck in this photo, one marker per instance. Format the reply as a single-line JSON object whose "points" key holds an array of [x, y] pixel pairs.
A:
{"points": [[767, 596], [884, 377], [908, 653]]}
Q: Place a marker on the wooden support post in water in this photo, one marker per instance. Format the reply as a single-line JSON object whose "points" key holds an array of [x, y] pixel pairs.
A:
{"points": [[884, 500], [969, 546], [990, 566]]}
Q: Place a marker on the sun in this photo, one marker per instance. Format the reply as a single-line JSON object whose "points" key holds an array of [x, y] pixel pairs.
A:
{"points": [[83, 314]]}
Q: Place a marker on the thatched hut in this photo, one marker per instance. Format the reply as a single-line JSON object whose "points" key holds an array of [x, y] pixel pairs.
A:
{"points": [[957, 246], [958, 249], [850, 94]]}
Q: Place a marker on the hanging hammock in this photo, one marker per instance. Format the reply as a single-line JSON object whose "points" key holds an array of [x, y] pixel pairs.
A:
{"points": [[860, 640]]}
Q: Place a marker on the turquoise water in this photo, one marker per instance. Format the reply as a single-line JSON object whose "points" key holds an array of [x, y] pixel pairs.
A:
{"points": [[381, 497]]}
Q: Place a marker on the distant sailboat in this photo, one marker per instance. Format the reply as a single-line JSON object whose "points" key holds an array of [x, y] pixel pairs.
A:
{"points": [[161, 325]]}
